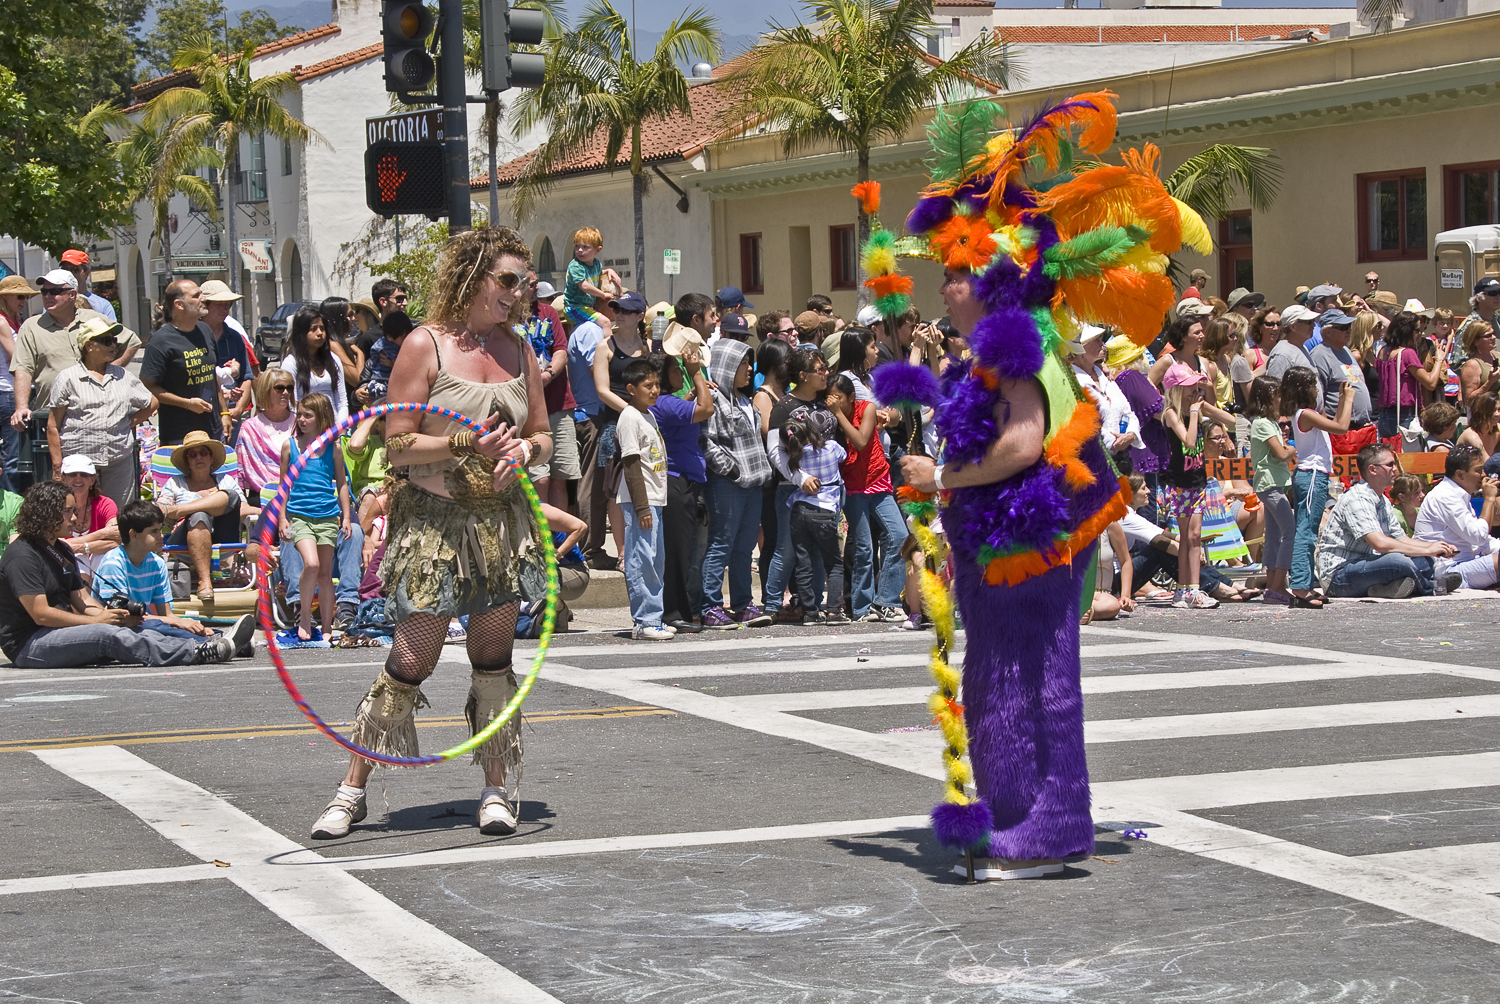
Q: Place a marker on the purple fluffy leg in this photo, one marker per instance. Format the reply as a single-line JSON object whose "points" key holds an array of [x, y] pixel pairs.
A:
{"points": [[1023, 704]]}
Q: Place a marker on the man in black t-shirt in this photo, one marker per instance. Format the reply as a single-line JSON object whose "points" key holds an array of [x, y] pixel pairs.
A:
{"points": [[48, 620], [178, 369]]}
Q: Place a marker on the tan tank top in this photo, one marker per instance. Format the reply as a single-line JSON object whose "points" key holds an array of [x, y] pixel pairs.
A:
{"points": [[473, 400]]}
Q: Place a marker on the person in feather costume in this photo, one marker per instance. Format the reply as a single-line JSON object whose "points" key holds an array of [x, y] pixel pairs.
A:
{"points": [[1035, 240]]}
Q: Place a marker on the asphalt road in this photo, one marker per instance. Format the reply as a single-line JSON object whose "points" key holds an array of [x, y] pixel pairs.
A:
{"points": [[741, 817]]}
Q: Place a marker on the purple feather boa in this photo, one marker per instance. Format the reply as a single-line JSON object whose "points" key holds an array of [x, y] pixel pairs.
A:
{"points": [[1006, 340], [896, 384], [967, 419], [929, 214], [963, 826], [1027, 511]]}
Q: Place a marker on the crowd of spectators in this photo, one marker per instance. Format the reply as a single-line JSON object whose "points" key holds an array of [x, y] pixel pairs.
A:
{"points": [[738, 462]]}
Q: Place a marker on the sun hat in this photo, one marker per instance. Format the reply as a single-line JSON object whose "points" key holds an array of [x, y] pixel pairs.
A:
{"points": [[218, 291], [78, 464], [1415, 306], [86, 329], [14, 285], [679, 338], [1182, 375], [1384, 301], [57, 277], [194, 439], [1193, 307], [868, 315], [1240, 295], [1122, 352], [808, 323]]}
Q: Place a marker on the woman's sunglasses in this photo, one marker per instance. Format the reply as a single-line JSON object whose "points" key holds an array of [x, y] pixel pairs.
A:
{"points": [[508, 279]]}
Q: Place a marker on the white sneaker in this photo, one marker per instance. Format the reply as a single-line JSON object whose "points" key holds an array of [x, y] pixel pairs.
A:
{"points": [[1197, 599], [1005, 870], [653, 634], [1440, 585], [343, 812], [496, 816], [669, 629], [1180, 599]]}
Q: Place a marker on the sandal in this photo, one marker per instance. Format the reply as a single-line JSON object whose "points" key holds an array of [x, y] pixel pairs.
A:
{"points": [[1307, 603], [1250, 594]]}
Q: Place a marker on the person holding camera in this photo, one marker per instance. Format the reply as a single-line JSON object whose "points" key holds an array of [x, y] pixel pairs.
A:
{"points": [[48, 620], [133, 577]]}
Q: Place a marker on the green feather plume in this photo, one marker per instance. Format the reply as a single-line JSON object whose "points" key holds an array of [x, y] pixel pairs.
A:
{"points": [[1048, 330], [893, 304], [924, 510], [958, 134], [1092, 252]]}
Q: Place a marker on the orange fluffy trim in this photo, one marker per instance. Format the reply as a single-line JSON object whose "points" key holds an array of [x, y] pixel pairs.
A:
{"points": [[989, 377], [868, 194], [1135, 301], [1063, 451], [965, 243], [885, 285], [1117, 195], [906, 493], [1017, 568]]}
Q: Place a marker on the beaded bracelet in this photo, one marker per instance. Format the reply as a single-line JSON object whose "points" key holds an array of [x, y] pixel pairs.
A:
{"points": [[461, 444]]}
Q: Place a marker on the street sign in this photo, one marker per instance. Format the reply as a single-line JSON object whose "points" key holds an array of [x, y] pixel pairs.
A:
{"points": [[671, 261], [422, 126], [406, 178], [255, 256]]}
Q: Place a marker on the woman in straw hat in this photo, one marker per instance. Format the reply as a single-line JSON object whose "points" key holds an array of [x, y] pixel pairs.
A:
{"points": [[203, 505], [460, 529]]}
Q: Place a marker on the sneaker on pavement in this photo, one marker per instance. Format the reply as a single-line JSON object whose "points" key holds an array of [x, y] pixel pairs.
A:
{"points": [[789, 615], [652, 634], [1180, 599], [1452, 581], [873, 617], [1197, 599], [219, 648], [497, 818], [752, 617], [834, 617], [718, 619], [343, 812], [815, 618], [1398, 589], [890, 615], [670, 630], [916, 622], [344, 617], [241, 634], [1440, 577]]}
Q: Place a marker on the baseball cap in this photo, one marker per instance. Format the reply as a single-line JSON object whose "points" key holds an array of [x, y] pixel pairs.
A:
{"points": [[1182, 375], [1296, 312], [1333, 317], [809, 322], [734, 326], [57, 277], [1241, 296], [868, 315], [1326, 289], [87, 329], [78, 464], [545, 290], [73, 256], [1193, 307], [630, 303], [218, 291], [1488, 286], [730, 296]]}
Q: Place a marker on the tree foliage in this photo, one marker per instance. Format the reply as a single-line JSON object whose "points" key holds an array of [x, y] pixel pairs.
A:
{"points": [[1209, 180], [56, 178], [177, 20]]}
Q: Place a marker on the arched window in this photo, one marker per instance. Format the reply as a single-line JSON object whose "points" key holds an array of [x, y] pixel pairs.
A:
{"points": [[291, 274], [546, 261]]}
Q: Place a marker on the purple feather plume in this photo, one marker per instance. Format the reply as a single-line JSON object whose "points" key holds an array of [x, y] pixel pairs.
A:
{"points": [[899, 384], [929, 214], [1007, 341], [963, 826]]}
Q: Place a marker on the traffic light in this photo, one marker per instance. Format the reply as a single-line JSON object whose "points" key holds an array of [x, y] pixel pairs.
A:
{"points": [[406, 178], [500, 27], [405, 25]]}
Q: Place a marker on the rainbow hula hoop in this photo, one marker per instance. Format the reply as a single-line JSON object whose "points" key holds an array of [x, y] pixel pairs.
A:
{"points": [[268, 539]]}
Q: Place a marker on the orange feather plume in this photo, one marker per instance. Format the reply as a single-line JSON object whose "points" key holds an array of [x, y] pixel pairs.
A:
{"points": [[1136, 301], [894, 282], [1094, 112], [868, 194], [1063, 451], [1116, 195]]}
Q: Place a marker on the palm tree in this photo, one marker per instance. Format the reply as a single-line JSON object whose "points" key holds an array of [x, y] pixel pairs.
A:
{"points": [[1208, 180], [595, 84], [227, 104], [855, 77], [158, 161], [1381, 14]]}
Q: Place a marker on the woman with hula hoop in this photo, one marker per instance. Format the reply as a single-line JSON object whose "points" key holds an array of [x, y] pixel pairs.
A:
{"points": [[460, 527]]}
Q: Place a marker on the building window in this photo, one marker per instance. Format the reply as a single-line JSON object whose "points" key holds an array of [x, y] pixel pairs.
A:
{"points": [[1392, 215], [750, 275], [843, 256], [286, 158], [546, 259], [1236, 253], [1471, 195]]}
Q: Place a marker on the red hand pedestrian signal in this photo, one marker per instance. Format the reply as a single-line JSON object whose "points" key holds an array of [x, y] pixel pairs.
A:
{"points": [[388, 175]]}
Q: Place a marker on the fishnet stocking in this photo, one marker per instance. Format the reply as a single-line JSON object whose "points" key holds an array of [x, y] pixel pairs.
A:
{"points": [[491, 636], [419, 642]]}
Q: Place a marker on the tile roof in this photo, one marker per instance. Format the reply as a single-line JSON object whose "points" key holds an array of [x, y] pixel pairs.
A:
{"points": [[1061, 33], [662, 139], [327, 66], [965, 3], [143, 92]]}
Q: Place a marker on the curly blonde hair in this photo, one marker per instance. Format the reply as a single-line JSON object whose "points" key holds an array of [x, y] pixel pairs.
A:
{"points": [[461, 267]]}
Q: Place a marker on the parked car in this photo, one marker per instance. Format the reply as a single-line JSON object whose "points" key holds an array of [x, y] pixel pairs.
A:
{"points": [[270, 336]]}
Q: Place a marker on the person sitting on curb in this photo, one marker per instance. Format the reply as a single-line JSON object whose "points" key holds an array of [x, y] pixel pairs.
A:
{"points": [[1363, 551], [49, 621], [1447, 515]]}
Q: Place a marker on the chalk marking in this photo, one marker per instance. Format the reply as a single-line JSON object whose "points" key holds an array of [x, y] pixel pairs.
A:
{"points": [[401, 951], [1438, 900]]}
